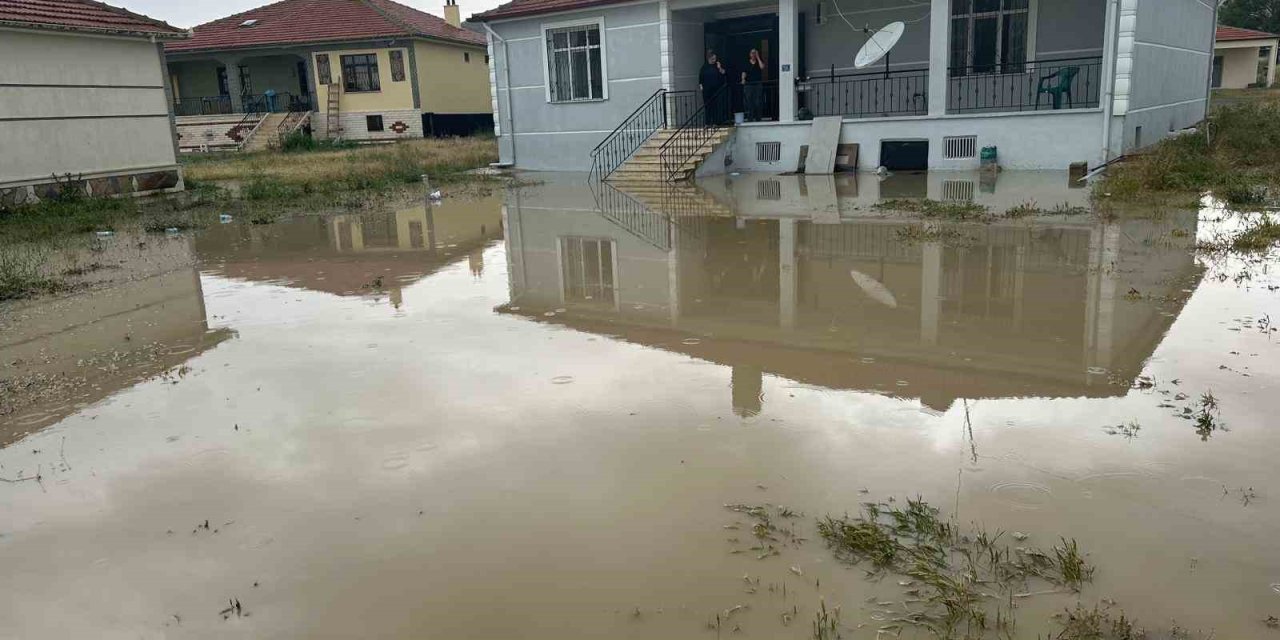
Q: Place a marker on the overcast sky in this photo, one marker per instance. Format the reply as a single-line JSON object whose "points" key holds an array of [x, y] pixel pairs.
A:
{"points": [[189, 13]]}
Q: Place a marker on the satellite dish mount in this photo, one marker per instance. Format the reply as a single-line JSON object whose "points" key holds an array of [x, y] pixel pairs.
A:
{"points": [[879, 45]]}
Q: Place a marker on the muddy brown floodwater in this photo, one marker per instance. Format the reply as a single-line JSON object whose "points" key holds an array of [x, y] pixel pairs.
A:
{"points": [[522, 416]]}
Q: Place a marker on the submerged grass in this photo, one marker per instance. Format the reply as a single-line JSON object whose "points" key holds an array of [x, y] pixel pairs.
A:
{"points": [[965, 585], [1239, 161]]}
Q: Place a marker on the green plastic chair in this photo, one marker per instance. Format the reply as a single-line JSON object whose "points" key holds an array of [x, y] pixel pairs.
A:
{"points": [[1065, 77]]}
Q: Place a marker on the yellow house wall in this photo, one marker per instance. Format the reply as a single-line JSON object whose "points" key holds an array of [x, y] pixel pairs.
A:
{"points": [[393, 96], [449, 84]]}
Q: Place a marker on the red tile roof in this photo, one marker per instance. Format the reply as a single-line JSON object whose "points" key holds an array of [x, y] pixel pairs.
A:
{"points": [[82, 15], [1227, 34], [307, 21], [517, 8]]}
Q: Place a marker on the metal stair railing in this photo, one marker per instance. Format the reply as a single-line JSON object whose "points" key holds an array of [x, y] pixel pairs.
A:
{"points": [[692, 136], [657, 112]]}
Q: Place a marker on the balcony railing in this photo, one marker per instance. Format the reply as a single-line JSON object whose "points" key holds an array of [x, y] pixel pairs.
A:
{"points": [[1073, 83], [250, 103], [867, 95]]}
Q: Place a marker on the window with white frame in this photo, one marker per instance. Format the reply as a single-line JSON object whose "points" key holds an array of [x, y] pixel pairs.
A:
{"points": [[989, 36], [575, 63]]}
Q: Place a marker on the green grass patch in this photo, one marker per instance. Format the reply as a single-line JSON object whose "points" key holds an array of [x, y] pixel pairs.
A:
{"points": [[54, 218], [322, 171], [1238, 162]]}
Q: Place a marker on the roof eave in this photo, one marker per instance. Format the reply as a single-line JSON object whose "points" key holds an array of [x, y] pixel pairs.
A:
{"points": [[62, 28], [293, 43], [332, 41], [490, 16]]}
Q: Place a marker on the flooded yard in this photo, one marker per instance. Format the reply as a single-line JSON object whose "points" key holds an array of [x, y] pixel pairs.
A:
{"points": [[564, 413]]}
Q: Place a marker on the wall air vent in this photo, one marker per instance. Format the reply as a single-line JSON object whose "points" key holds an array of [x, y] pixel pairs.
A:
{"points": [[768, 151], [960, 147], [768, 190], [957, 190]]}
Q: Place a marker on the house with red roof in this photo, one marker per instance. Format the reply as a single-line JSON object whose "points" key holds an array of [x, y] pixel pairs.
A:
{"points": [[626, 89], [83, 101], [1244, 58], [363, 70]]}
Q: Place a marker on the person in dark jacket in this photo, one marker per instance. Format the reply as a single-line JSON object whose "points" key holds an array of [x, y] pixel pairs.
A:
{"points": [[753, 87], [711, 79]]}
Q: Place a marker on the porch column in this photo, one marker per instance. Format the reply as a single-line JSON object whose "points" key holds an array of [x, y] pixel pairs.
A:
{"points": [[1271, 65], [788, 59], [939, 55], [787, 273], [930, 291], [233, 83]]}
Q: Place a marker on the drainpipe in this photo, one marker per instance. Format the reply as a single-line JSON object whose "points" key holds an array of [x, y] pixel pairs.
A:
{"points": [[1213, 45], [1109, 100], [506, 73]]}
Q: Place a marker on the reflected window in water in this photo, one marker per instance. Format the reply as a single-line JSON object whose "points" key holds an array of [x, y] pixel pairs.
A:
{"points": [[587, 270]]}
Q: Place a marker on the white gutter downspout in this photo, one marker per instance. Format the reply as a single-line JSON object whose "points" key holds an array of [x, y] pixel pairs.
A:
{"points": [[1208, 92], [1109, 99], [506, 73]]}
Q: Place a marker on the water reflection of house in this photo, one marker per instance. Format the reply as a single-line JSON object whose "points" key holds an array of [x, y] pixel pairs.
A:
{"points": [[1005, 309], [83, 348], [355, 254]]}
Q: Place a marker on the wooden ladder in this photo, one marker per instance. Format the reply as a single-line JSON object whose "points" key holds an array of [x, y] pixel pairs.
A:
{"points": [[333, 124]]}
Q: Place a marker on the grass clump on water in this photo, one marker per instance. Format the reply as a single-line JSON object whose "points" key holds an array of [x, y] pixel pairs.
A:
{"points": [[1238, 162], [935, 208], [965, 585], [22, 272]]}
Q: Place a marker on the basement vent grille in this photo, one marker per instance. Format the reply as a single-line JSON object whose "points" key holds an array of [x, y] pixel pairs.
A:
{"points": [[961, 147], [768, 190], [957, 190], [768, 151]]}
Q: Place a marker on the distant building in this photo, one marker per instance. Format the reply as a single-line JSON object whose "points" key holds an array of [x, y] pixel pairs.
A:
{"points": [[83, 101], [1244, 58], [361, 70]]}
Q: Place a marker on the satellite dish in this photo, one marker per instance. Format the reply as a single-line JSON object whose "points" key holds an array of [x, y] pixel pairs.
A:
{"points": [[874, 289], [879, 45]]}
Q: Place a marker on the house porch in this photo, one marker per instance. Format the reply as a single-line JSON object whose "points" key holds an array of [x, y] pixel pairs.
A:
{"points": [[1026, 76]]}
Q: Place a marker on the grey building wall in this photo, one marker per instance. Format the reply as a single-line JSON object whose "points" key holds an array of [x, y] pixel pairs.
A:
{"points": [[80, 104], [688, 47], [560, 136], [1168, 84], [1064, 29], [537, 220]]}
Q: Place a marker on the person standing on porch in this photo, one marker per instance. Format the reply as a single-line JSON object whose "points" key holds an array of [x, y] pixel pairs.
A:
{"points": [[711, 80], [753, 86]]}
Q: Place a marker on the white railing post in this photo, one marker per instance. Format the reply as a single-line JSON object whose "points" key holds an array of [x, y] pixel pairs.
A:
{"points": [[939, 55], [788, 59]]}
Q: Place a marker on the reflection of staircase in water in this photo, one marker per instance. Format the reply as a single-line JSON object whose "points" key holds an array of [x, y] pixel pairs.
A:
{"points": [[653, 212]]}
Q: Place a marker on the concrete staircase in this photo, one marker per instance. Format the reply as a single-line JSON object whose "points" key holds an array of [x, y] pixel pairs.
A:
{"points": [[266, 134], [645, 165], [677, 201]]}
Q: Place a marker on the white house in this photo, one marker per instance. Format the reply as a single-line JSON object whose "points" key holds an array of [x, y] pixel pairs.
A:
{"points": [[84, 102], [1046, 83], [1244, 58]]}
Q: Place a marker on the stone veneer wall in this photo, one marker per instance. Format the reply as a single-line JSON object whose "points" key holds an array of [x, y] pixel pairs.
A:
{"points": [[397, 125], [217, 132], [160, 180]]}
